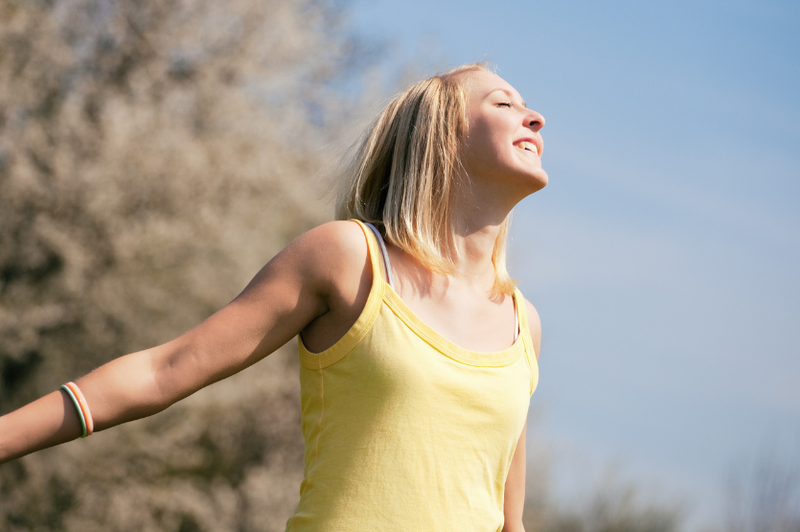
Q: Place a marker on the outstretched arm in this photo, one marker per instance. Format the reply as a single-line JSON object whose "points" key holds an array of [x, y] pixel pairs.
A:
{"points": [[285, 296]]}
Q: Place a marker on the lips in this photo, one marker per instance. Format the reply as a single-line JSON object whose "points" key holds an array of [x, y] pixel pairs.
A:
{"points": [[529, 145]]}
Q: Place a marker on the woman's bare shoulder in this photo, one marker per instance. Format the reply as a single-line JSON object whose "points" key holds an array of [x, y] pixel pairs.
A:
{"points": [[334, 251], [342, 234], [336, 242], [342, 275]]}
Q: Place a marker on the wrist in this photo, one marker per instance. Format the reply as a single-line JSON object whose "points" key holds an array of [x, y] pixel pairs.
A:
{"points": [[513, 527]]}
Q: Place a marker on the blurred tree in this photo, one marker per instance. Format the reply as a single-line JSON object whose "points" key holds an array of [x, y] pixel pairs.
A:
{"points": [[611, 506], [153, 155], [764, 496]]}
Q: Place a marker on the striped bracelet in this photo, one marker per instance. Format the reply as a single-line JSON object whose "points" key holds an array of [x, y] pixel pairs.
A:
{"points": [[87, 424]]}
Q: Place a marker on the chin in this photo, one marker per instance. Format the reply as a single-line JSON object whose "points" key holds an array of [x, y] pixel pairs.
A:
{"points": [[539, 181]]}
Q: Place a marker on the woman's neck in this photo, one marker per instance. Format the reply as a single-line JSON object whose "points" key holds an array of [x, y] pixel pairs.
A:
{"points": [[481, 215], [475, 245]]}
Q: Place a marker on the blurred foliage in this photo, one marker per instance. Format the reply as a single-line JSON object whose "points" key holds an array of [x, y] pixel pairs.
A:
{"points": [[764, 495], [608, 505], [154, 154]]}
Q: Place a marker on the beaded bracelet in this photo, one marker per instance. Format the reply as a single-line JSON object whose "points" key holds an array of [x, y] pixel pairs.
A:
{"points": [[82, 407]]}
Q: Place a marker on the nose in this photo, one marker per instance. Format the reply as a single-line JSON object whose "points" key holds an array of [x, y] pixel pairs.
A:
{"points": [[534, 120]]}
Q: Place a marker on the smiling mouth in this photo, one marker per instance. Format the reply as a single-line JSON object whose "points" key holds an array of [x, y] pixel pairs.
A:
{"points": [[528, 146]]}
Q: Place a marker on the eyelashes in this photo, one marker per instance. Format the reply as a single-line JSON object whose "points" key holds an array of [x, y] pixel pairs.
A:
{"points": [[504, 104]]}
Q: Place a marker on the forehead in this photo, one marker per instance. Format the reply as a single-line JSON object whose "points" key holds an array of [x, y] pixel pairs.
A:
{"points": [[479, 84]]}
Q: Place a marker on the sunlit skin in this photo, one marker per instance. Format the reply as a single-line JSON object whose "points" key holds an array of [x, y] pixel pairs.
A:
{"points": [[318, 285], [499, 174], [500, 125]]}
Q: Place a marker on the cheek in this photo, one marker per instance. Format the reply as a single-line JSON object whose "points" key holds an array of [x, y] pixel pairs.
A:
{"points": [[477, 151], [480, 139]]}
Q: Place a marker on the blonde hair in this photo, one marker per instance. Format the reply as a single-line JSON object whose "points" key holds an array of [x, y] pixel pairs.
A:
{"points": [[404, 175]]}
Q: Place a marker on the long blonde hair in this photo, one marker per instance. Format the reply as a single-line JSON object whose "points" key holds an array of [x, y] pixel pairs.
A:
{"points": [[404, 175]]}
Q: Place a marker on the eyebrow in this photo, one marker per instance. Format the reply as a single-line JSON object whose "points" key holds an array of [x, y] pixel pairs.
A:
{"points": [[508, 93]]}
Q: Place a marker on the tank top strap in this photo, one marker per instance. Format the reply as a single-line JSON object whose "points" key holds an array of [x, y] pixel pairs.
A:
{"points": [[375, 251], [525, 331], [387, 265], [365, 320]]}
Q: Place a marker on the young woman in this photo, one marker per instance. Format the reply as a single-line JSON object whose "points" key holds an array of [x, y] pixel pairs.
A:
{"points": [[418, 355]]}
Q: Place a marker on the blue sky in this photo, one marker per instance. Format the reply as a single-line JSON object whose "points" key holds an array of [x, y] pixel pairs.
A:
{"points": [[664, 254]]}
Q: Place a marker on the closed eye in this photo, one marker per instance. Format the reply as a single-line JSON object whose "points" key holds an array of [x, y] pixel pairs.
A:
{"points": [[505, 104]]}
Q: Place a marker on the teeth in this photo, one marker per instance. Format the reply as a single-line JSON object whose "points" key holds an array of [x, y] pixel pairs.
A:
{"points": [[530, 146]]}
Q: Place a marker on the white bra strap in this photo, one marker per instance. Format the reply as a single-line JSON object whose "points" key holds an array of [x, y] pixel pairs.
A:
{"points": [[384, 253]]}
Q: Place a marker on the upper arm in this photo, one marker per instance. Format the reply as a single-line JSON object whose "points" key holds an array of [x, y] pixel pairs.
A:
{"points": [[535, 327], [288, 293], [514, 493]]}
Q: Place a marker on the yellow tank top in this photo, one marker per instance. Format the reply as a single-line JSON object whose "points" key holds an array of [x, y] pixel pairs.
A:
{"points": [[403, 429]]}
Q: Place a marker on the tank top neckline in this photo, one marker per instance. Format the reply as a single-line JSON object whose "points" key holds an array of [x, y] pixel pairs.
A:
{"points": [[387, 269], [381, 292], [446, 346]]}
